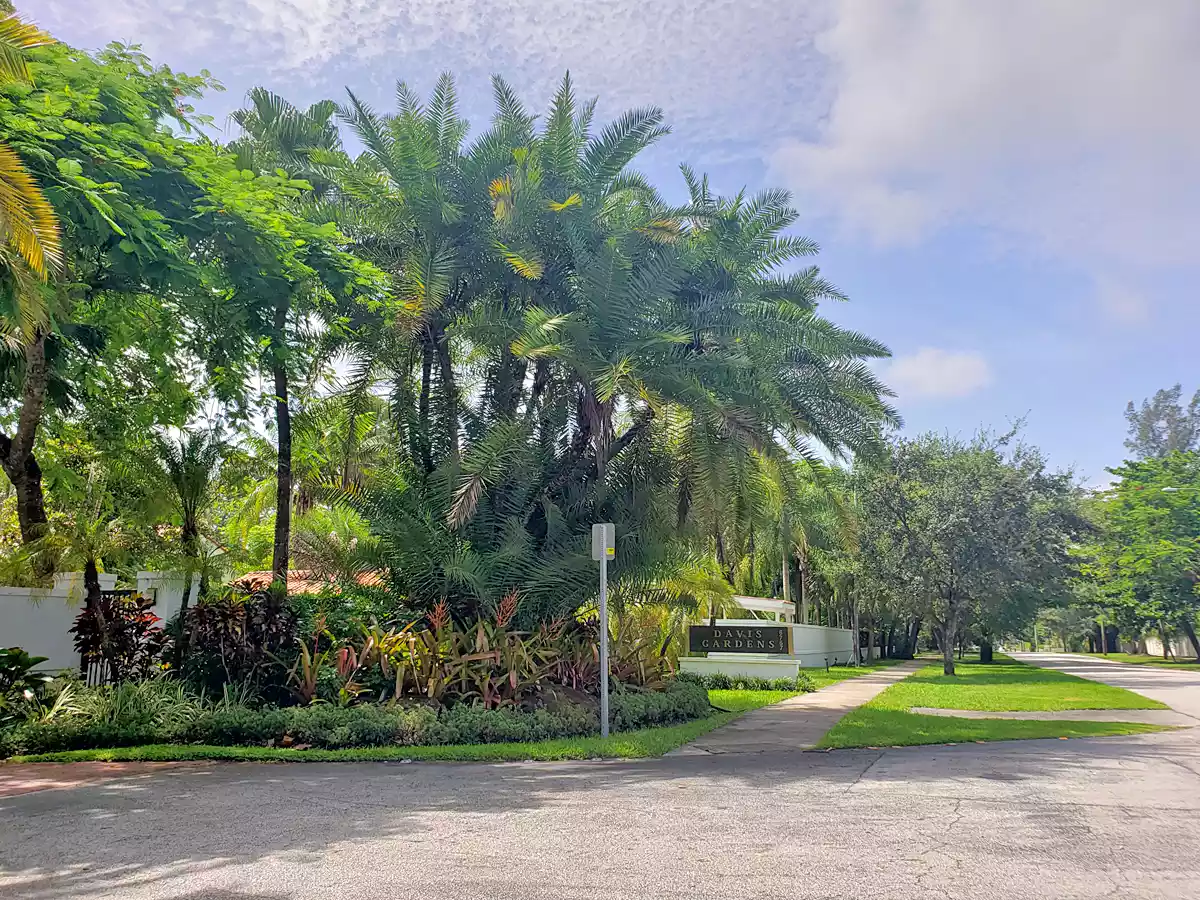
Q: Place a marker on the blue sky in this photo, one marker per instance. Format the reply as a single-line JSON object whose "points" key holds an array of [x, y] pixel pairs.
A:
{"points": [[1009, 192]]}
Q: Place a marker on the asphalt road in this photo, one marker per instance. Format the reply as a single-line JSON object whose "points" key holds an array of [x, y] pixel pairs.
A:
{"points": [[1178, 688], [1113, 817]]}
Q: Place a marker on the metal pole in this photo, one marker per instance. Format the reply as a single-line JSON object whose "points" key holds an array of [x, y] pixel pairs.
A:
{"points": [[604, 646]]}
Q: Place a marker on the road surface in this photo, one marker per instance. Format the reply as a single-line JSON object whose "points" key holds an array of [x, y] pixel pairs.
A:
{"points": [[1097, 818]]}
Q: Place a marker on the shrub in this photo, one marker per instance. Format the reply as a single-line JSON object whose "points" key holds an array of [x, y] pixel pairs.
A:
{"points": [[20, 685], [476, 725], [680, 702], [236, 637], [719, 681], [79, 734], [123, 631], [355, 726], [159, 711], [235, 725]]}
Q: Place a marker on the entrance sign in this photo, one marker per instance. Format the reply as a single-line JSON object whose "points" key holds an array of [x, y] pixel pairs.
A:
{"points": [[750, 638]]}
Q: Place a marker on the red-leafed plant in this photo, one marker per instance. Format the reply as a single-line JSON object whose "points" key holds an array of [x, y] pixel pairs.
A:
{"points": [[123, 631]]}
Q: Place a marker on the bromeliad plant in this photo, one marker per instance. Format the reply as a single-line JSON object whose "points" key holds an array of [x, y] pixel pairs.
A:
{"points": [[489, 664]]}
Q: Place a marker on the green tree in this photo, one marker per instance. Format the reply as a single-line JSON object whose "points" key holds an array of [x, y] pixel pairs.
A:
{"points": [[976, 533], [1146, 557], [91, 133], [1163, 425], [275, 274], [626, 356]]}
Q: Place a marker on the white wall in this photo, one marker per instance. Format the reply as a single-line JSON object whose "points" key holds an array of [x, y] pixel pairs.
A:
{"points": [[166, 589], [39, 620], [1180, 646]]}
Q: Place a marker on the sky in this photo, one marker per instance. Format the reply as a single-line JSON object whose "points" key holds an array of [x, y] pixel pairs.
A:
{"points": [[1008, 191]]}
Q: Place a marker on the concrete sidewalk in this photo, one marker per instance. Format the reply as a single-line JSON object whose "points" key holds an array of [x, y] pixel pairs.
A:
{"points": [[799, 722]]}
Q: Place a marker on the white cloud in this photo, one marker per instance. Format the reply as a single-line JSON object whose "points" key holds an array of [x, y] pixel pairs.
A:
{"points": [[717, 68], [1064, 127], [935, 373]]}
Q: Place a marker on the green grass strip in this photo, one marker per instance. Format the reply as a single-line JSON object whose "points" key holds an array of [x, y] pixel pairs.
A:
{"points": [[1004, 685], [873, 727]]}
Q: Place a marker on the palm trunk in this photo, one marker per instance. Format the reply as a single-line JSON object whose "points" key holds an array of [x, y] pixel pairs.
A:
{"points": [[190, 538], [802, 579], [283, 468], [449, 390], [16, 452], [423, 403], [857, 633], [94, 600], [750, 554]]}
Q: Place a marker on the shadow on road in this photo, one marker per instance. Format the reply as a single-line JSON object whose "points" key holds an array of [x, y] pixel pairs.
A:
{"points": [[172, 826]]}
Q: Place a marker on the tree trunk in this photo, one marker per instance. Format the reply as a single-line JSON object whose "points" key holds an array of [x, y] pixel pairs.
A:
{"points": [[949, 632], [190, 538], [913, 634], [94, 600], [986, 653], [1190, 630], [1166, 646], [802, 585], [857, 633], [423, 403], [16, 452], [889, 644], [283, 467], [449, 389], [870, 638]]}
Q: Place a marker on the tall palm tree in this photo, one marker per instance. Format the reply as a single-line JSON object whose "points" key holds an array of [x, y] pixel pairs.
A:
{"points": [[277, 135], [623, 356]]}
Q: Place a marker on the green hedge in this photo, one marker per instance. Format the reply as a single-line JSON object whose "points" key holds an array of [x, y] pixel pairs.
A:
{"points": [[722, 682], [331, 727]]}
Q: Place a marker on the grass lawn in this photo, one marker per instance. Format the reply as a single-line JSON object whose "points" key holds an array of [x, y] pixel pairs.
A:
{"points": [[626, 745], [1002, 685], [1138, 660]]}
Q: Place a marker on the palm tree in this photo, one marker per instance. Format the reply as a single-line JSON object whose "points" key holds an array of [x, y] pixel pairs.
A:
{"points": [[277, 135], [625, 358], [185, 470], [32, 244]]}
